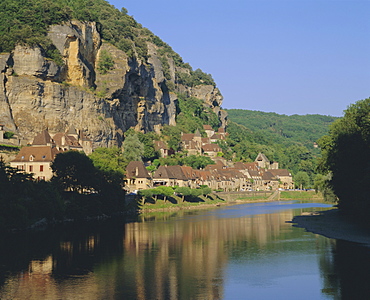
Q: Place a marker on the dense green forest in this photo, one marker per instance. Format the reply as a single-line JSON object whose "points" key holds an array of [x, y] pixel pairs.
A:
{"points": [[288, 140], [346, 159], [283, 129], [27, 22]]}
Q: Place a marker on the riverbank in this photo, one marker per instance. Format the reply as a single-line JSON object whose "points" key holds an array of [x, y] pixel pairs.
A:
{"points": [[333, 224]]}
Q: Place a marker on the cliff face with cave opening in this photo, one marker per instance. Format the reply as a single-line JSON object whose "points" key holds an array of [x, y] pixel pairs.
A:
{"points": [[38, 94]]}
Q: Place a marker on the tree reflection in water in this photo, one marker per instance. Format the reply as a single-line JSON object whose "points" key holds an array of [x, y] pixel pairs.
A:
{"points": [[346, 271], [176, 256]]}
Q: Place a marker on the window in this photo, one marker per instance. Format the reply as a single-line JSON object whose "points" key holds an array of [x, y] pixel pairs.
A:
{"points": [[41, 168], [31, 168], [31, 158]]}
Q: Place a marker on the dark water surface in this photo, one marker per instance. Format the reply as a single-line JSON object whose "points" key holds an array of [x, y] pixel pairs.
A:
{"points": [[244, 251]]}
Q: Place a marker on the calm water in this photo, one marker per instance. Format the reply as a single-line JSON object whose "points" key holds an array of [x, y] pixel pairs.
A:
{"points": [[241, 252]]}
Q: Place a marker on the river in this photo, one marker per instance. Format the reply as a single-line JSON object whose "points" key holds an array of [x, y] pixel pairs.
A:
{"points": [[245, 251]]}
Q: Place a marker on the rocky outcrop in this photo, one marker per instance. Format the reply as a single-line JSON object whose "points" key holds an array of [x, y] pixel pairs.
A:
{"points": [[37, 94]]}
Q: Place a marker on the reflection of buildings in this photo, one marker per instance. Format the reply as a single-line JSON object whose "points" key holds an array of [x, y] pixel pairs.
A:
{"points": [[193, 252], [173, 258]]}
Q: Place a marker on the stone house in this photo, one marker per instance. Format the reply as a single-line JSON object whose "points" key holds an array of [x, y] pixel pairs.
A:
{"points": [[162, 148], [137, 177], [270, 182], [211, 150], [36, 160], [38, 157], [284, 177]]}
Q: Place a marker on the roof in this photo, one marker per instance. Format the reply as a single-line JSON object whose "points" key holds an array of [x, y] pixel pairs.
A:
{"points": [[254, 173], [177, 172], [136, 169], [268, 176], [163, 172], [251, 166], [72, 130], [36, 154], [211, 147], [42, 139], [262, 157], [207, 127], [187, 136], [68, 140]]}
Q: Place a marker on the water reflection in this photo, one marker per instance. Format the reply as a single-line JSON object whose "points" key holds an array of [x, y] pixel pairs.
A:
{"points": [[220, 254]]}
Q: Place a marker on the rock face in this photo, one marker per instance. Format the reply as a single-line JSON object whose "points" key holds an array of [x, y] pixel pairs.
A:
{"points": [[37, 94]]}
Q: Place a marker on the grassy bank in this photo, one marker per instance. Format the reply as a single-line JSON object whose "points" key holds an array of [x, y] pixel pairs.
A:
{"points": [[301, 195]]}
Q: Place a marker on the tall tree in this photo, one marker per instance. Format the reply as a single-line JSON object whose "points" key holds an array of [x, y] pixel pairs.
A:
{"points": [[133, 149], [346, 157]]}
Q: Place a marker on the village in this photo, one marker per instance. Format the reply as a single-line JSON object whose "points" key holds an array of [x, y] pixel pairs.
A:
{"points": [[223, 175]]}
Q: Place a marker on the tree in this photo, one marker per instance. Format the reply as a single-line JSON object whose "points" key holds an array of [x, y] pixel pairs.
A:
{"points": [[301, 180], [74, 171], [197, 162], [145, 194], [105, 62], [165, 191], [183, 191], [206, 191], [346, 157], [133, 149], [110, 161]]}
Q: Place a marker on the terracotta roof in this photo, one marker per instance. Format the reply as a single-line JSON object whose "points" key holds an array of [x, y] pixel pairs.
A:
{"points": [[188, 172], [251, 166], [211, 147], [68, 140], [254, 173], [163, 172], [207, 127], [36, 154], [42, 139], [187, 136], [177, 172], [221, 130], [136, 169], [216, 137], [268, 176]]}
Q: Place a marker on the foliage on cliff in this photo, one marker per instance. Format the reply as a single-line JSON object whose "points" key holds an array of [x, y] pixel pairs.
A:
{"points": [[346, 158], [27, 22]]}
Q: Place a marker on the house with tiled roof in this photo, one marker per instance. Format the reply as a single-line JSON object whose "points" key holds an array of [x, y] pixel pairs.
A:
{"points": [[137, 177], [36, 160], [285, 178], [209, 130], [270, 182], [38, 157], [211, 150], [162, 148]]}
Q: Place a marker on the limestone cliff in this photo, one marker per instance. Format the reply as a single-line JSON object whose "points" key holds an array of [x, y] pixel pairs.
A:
{"points": [[36, 93]]}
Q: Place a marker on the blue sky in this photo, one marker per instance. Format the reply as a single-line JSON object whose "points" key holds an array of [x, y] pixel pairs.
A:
{"points": [[288, 57]]}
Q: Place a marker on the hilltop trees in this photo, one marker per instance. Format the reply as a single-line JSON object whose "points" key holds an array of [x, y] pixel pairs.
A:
{"points": [[346, 157]]}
